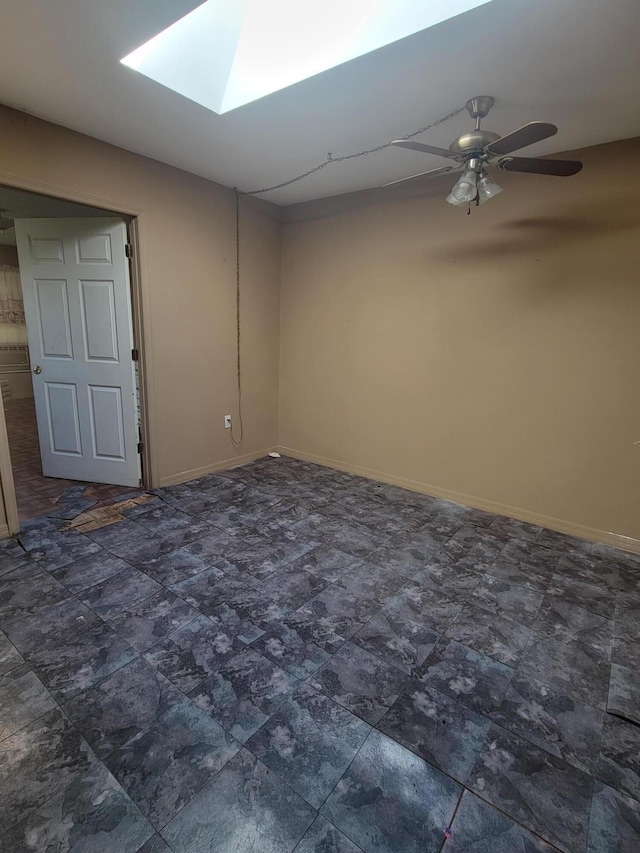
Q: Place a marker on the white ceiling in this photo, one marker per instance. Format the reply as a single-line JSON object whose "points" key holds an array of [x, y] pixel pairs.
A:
{"points": [[572, 62]]}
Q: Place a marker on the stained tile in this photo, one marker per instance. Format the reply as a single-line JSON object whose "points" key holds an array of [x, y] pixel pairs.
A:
{"points": [[350, 538], [89, 571], [324, 837], [627, 615], [176, 566], [624, 692], [118, 592], [144, 548], [12, 555], [512, 528], [473, 547], [208, 590], [396, 640], [404, 559], [615, 822], [244, 693], [122, 706], [619, 759], [293, 587], [360, 682], [453, 578], [145, 623], [253, 605], [70, 648], [10, 658], [435, 610], [327, 562], [284, 643], [579, 566], [625, 650], [194, 652], [436, 727], [155, 845], [37, 763], [391, 801], [310, 741], [529, 559], [594, 598], [512, 600], [162, 767], [268, 556], [479, 828], [245, 807], [565, 622], [92, 814], [340, 611], [26, 591], [501, 639], [23, 698], [117, 533], [371, 581], [561, 725], [544, 793], [473, 678], [59, 549], [574, 668]]}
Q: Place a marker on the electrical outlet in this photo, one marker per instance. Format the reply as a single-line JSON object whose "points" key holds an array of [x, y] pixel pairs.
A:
{"points": [[227, 421]]}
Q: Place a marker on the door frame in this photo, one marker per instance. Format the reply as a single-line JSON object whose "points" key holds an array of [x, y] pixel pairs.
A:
{"points": [[135, 221]]}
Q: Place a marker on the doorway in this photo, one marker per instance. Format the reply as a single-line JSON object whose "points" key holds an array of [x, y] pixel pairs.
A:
{"points": [[33, 431]]}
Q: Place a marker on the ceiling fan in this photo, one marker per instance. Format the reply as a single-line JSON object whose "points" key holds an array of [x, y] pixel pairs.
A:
{"points": [[477, 149]]}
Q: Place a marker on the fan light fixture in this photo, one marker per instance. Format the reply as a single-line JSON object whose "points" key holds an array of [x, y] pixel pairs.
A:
{"points": [[473, 186]]}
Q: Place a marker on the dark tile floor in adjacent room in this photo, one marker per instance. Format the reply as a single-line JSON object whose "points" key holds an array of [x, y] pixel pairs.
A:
{"points": [[35, 494], [284, 657]]}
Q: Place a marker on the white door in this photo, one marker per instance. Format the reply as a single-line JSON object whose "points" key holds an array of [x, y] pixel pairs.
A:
{"points": [[75, 282]]}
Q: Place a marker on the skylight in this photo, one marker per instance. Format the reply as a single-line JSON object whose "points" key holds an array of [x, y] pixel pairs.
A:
{"points": [[227, 53]]}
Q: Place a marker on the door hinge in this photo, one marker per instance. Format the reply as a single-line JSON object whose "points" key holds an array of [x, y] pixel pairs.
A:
{"points": [[128, 250], [140, 447], [135, 355]]}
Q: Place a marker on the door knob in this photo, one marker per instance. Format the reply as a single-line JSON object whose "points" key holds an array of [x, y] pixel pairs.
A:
{"points": [[37, 369]]}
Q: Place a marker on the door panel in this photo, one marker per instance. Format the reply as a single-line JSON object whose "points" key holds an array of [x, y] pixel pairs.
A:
{"points": [[62, 418], [99, 320], [95, 249], [105, 405], [75, 281], [45, 250], [53, 318]]}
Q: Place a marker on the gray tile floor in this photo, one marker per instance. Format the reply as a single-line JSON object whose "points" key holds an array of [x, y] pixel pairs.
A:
{"points": [[283, 657]]}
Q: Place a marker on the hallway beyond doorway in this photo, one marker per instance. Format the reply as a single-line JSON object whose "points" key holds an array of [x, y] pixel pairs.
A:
{"points": [[35, 493]]}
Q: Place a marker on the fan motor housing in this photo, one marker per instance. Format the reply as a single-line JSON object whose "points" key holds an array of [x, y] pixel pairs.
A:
{"points": [[473, 142]]}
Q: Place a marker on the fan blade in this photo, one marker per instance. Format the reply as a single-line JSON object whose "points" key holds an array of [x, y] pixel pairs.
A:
{"points": [[443, 170], [426, 149], [535, 131], [540, 166]]}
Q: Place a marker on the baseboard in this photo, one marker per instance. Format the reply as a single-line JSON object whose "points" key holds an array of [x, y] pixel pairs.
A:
{"points": [[232, 462], [604, 537], [4, 531]]}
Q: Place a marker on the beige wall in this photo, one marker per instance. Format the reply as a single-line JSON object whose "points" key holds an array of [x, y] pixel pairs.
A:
{"points": [[494, 357], [187, 234]]}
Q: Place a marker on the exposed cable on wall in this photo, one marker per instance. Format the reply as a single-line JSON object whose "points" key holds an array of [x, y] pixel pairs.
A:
{"points": [[237, 442], [329, 161]]}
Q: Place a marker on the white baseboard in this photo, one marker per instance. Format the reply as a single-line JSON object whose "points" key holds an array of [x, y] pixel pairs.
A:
{"points": [[194, 473], [605, 537]]}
